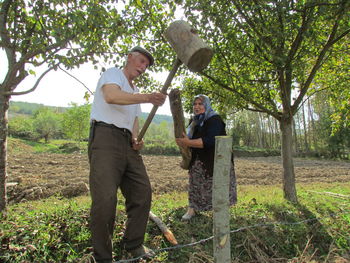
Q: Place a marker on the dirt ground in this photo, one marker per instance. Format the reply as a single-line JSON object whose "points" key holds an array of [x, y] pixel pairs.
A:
{"points": [[40, 175]]}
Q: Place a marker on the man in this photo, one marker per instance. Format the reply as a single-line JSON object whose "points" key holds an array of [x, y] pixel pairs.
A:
{"points": [[115, 161]]}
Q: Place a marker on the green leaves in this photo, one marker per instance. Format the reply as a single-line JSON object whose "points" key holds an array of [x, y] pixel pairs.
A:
{"points": [[139, 4], [76, 122], [71, 33], [266, 51]]}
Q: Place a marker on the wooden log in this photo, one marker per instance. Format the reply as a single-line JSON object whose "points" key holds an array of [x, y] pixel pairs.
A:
{"points": [[166, 231], [179, 125], [221, 203], [190, 49]]}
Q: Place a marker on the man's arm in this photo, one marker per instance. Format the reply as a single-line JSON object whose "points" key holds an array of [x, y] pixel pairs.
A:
{"points": [[114, 95]]}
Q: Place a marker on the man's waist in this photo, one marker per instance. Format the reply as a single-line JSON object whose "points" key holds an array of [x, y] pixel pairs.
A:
{"points": [[112, 126]]}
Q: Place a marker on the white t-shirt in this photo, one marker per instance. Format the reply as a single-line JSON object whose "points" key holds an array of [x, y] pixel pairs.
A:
{"points": [[122, 116]]}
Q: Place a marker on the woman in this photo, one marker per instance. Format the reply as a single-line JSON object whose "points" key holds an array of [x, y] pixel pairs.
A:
{"points": [[205, 125]]}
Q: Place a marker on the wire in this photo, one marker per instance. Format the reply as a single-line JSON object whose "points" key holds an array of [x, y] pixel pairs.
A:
{"points": [[232, 231]]}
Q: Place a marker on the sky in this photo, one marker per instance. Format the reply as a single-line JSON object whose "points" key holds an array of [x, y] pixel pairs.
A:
{"points": [[59, 89]]}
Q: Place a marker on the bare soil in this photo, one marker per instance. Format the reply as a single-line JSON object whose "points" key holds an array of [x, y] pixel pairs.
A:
{"points": [[40, 175]]}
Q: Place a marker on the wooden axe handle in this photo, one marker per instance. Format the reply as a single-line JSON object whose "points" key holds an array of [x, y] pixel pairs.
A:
{"points": [[166, 85]]}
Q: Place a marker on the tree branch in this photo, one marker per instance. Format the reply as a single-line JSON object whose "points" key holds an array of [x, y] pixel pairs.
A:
{"points": [[309, 96], [4, 34], [261, 50], [298, 39], [252, 25], [320, 58], [281, 39], [257, 105], [76, 79], [342, 35], [9, 93], [313, 5]]}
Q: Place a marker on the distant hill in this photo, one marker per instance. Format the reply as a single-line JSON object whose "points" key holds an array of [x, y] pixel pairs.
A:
{"points": [[158, 118], [27, 108]]}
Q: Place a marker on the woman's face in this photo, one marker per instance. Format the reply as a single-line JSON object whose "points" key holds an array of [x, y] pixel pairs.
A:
{"points": [[198, 107]]}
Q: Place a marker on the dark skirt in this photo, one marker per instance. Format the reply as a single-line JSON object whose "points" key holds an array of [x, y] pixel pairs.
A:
{"points": [[201, 184]]}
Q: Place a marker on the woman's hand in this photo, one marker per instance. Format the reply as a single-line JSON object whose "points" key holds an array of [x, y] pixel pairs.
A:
{"points": [[183, 142]]}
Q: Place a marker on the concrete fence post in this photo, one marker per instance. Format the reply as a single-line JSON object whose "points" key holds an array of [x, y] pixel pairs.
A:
{"points": [[221, 204]]}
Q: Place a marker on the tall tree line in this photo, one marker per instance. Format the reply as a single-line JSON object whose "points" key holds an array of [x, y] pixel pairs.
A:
{"points": [[315, 131]]}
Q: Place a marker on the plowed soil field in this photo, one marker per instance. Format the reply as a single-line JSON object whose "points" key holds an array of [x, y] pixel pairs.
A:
{"points": [[40, 175]]}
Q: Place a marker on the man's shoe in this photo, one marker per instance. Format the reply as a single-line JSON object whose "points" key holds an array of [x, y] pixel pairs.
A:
{"points": [[141, 251]]}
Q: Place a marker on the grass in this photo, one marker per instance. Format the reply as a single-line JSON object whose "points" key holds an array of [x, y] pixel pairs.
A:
{"points": [[53, 146], [314, 230], [265, 228]]}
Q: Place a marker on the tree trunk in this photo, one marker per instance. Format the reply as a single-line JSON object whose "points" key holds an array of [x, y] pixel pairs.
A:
{"points": [[306, 146], [295, 136], [287, 160], [260, 131], [277, 136], [4, 105], [312, 121]]}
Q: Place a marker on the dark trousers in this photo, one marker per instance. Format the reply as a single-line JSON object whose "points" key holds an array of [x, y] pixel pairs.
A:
{"points": [[113, 164]]}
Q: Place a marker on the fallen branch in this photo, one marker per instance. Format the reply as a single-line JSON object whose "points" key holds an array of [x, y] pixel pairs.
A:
{"points": [[166, 231]]}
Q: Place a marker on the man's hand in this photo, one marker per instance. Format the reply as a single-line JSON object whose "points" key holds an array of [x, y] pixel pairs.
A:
{"points": [[157, 98], [137, 145]]}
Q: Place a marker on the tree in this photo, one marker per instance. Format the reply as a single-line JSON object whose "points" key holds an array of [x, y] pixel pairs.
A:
{"points": [[267, 54], [21, 127], [76, 121], [46, 123], [66, 34]]}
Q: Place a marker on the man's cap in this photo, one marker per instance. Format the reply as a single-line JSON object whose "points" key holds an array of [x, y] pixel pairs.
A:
{"points": [[144, 52]]}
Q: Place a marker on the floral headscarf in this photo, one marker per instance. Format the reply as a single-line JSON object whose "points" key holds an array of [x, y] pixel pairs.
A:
{"points": [[201, 118]]}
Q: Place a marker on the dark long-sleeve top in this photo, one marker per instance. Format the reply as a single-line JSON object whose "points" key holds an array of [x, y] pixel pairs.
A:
{"points": [[212, 127]]}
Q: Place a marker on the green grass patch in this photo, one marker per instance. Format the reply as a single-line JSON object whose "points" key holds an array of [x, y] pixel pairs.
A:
{"points": [[247, 151], [54, 146], [265, 228]]}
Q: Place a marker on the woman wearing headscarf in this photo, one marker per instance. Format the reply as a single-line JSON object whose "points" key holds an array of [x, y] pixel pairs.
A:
{"points": [[200, 138]]}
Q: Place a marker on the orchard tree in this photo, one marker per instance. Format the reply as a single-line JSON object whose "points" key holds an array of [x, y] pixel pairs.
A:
{"points": [[46, 123], [75, 121], [267, 54], [65, 34], [21, 126]]}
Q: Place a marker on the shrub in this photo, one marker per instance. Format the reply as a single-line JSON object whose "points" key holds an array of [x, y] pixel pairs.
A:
{"points": [[160, 148]]}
